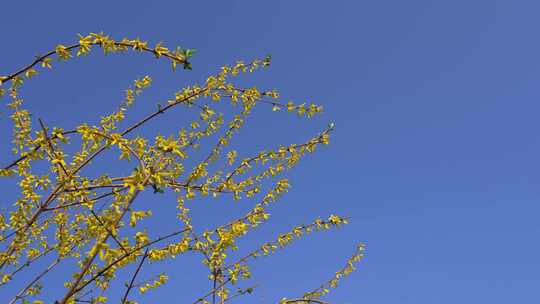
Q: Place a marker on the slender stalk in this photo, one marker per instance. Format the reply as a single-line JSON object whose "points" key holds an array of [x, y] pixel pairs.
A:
{"points": [[124, 298], [43, 273], [76, 45]]}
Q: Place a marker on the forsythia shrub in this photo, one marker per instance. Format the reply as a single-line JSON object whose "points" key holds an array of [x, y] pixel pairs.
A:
{"points": [[94, 223]]}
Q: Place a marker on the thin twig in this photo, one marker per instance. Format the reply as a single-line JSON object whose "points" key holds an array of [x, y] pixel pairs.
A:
{"points": [[305, 301], [76, 45], [108, 231], [240, 292], [212, 291], [124, 299]]}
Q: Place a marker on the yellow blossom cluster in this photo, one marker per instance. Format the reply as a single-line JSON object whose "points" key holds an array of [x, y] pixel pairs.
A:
{"points": [[162, 279]]}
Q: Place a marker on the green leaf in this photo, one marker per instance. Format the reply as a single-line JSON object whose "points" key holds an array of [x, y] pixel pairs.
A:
{"points": [[189, 52]]}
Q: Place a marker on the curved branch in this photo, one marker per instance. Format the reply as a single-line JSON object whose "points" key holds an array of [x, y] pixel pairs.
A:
{"points": [[39, 59]]}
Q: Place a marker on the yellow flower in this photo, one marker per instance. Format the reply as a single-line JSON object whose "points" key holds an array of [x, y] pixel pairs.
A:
{"points": [[30, 72], [62, 52], [160, 50], [84, 44]]}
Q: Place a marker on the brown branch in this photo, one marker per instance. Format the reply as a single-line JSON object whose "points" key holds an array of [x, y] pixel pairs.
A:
{"points": [[80, 203], [92, 187], [240, 292], [213, 291], [76, 45], [124, 299], [23, 157], [43, 273], [305, 301], [162, 110]]}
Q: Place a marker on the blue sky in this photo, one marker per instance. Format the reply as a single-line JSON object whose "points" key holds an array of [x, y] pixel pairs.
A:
{"points": [[435, 153]]}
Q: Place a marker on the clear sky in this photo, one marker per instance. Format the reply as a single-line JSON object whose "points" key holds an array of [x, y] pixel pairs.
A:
{"points": [[434, 156]]}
